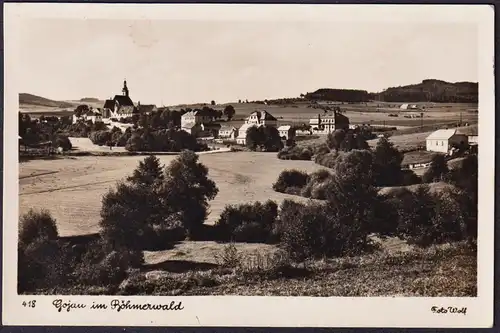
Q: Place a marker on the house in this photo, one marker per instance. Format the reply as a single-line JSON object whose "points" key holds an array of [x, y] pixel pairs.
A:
{"points": [[261, 118], [120, 106], [286, 132], [210, 129], [444, 140], [91, 114], [256, 118], [329, 123], [198, 122], [228, 132], [472, 134], [146, 108]]}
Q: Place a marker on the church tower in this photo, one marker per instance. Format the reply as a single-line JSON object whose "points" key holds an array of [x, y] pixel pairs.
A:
{"points": [[125, 89]]}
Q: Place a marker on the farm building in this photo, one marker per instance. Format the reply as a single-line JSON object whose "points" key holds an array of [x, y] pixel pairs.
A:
{"points": [[146, 108], [92, 115], [256, 118], [408, 106], [329, 123], [286, 132], [120, 106], [228, 132], [444, 140], [194, 122]]}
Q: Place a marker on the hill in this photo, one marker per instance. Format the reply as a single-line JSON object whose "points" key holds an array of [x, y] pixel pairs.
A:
{"points": [[431, 91], [339, 95], [90, 99], [30, 99]]}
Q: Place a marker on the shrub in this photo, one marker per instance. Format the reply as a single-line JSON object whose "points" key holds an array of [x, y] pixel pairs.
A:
{"points": [[425, 219], [327, 160], [228, 257], [437, 170], [317, 230], [290, 178], [247, 222], [63, 142], [100, 137], [408, 177], [295, 153], [37, 225], [317, 182]]}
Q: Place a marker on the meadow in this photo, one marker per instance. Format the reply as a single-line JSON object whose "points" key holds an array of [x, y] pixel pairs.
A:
{"points": [[72, 187]]}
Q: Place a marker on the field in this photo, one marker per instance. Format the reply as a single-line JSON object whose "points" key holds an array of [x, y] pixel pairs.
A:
{"points": [[72, 187]]}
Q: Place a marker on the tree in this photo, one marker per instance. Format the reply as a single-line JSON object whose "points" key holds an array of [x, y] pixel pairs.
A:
{"points": [[186, 191], [253, 137], [135, 143], [437, 170], [387, 163], [229, 112], [334, 139], [127, 213], [212, 103], [37, 225], [81, 109], [149, 172]]}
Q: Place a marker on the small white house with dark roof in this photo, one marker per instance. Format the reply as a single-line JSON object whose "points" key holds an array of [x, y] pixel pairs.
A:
{"points": [[286, 132], [228, 132], [444, 139]]}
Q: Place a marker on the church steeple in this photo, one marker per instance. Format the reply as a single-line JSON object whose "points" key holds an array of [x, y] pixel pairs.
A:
{"points": [[125, 89]]}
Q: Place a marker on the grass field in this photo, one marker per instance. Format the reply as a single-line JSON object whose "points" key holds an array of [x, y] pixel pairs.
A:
{"points": [[72, 187]]}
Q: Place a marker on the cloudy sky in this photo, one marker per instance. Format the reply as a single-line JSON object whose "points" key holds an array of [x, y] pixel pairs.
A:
{"points": [[182, 61]]}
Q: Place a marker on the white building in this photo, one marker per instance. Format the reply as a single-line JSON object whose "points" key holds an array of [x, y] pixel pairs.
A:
{"points": [[92, 115], [228, 132], [286, 132], [444, 139], [329, 123], [256, 118]]}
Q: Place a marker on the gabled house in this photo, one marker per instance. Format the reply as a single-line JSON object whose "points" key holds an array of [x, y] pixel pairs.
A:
{"points": [[286, 132], [444, 140], [228, 132], [146, 108], [329, 123]]}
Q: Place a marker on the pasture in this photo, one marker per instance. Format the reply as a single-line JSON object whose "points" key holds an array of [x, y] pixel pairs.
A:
{"points": [[72, 187]]}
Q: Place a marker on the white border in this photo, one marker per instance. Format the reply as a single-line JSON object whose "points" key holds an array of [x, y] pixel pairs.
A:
{"points": [[259, 311]]}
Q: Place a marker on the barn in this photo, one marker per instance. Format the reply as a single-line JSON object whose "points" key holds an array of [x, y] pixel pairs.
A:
{"points": [[444, 139]]}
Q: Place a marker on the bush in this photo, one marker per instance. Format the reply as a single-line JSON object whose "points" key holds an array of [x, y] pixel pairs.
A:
{"points": [[247, 222], [425, 219], [437, 171], [318, 230], [295, 153], [316, 185], [290, 178], [100, 137], [63, 142], [37, 225], [327, 160]]}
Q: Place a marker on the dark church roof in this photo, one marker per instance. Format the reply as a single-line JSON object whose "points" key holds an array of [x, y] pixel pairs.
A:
{"points": [[124, 100], [145, 108], [109, 104]]}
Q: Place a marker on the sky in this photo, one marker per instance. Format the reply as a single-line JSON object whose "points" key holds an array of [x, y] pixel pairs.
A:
{"points": [[168, 62]]}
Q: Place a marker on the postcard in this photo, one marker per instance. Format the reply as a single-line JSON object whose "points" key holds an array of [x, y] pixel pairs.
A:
{"points": [[248, 165]]}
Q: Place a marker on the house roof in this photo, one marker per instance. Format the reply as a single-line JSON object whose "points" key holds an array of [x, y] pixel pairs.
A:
{"points": [[123, 100], [470, 131], [263, 115], [242, 132], [442, 134], [228, 128], [284, 128], [109, 104], [146, 107], [212, 125]]}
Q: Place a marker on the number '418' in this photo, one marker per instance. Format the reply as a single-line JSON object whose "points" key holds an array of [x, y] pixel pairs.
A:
{"points": [[29, 304]]}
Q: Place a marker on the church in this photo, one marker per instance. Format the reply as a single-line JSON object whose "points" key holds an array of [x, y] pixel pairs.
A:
{"points": [[120, 106]]}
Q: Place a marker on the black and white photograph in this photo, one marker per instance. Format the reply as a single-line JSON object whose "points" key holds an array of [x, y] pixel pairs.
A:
{"points": [[294, 152]]}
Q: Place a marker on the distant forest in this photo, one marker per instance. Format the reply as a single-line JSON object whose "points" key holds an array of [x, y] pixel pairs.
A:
{"points": [[428, 91]]}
